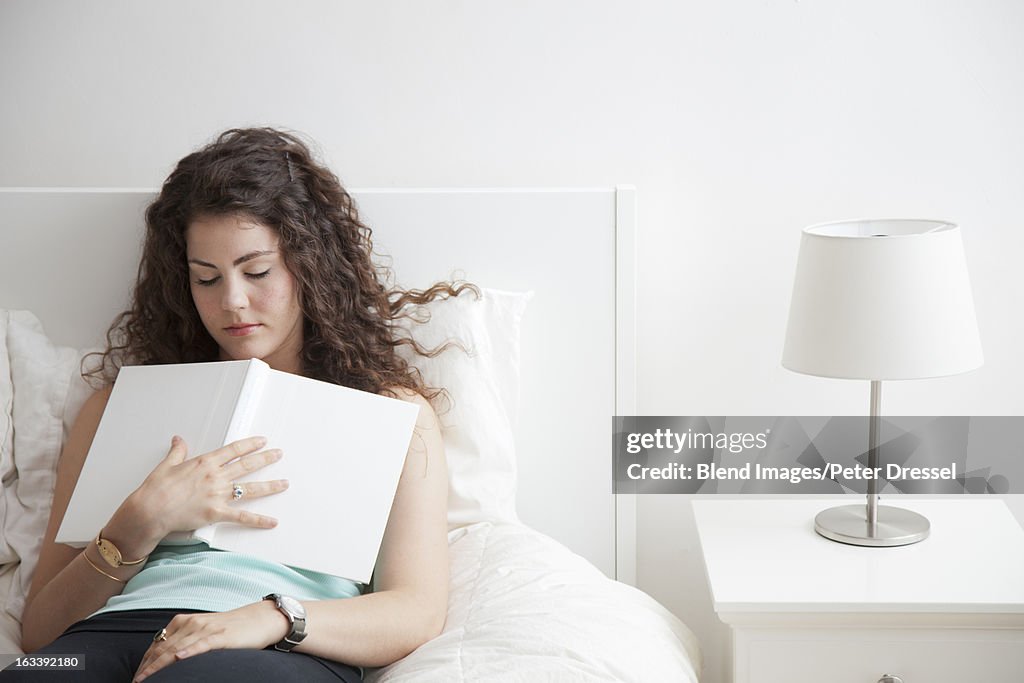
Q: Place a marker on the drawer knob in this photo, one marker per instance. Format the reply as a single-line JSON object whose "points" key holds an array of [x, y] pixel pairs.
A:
{"points": [[887, 678]]}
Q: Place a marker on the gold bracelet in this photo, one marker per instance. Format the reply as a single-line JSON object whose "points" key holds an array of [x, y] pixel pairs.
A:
{"points": [[93, 565], [111, 555]]}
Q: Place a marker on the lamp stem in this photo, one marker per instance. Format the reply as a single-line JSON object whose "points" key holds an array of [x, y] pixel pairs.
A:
{"points": [[873, 439], [873, 524]]}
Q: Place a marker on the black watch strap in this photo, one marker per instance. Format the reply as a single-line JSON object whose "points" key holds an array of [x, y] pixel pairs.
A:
{"points": [[293, 610]]}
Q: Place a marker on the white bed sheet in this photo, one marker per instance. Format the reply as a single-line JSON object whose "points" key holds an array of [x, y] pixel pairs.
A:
{"points": [[523, 607]]}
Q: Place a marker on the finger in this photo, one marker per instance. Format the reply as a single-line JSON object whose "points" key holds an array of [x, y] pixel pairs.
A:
{"points": [[156, 649], [260, 489], [165, 658], [178, 452], [252, 462], [235, 449], [152, 655], [178, 628], [146, 659], [194, 646], [250, 519], [161, 654]]}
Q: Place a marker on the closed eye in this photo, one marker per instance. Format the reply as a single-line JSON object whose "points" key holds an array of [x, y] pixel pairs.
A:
{"points": [[251, 276]]}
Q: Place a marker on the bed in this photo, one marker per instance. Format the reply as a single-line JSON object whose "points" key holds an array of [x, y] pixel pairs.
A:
{"points": [[536, 537]]}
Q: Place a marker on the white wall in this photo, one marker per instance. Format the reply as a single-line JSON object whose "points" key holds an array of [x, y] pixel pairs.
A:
{"points": [[739, 122]]}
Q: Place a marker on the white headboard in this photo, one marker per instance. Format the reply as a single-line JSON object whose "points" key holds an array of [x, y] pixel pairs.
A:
{"points": [[69, 255]]}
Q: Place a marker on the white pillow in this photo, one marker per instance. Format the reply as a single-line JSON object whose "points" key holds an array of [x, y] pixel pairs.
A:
{"points": [[7, 471], [46, 392], [483, 383]]}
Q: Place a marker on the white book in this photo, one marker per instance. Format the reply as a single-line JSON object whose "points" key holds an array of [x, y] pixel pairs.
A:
{"points": [[344, 451]]}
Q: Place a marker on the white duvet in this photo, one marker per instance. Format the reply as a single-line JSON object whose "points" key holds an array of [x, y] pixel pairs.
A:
{"points": [[523, 607]]}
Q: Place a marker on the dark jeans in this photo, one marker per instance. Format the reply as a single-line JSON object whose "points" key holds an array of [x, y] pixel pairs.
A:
{"points": [[112, 645]]}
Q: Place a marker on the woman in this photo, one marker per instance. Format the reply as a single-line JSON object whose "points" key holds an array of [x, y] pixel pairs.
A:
{"points": [[253, 250]]}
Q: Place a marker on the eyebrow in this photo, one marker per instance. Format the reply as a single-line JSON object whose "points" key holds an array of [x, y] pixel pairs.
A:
{"points": [[241, 259]]}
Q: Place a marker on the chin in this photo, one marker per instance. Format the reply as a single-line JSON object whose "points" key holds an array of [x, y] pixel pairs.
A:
{"points": [[236, 351]]}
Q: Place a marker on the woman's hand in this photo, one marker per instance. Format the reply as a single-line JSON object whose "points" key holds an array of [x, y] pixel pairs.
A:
{"points": [[254, 626], [184, 494]]}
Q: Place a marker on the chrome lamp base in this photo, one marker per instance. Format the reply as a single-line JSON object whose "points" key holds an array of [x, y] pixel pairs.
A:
{"points": [[893, 526]]}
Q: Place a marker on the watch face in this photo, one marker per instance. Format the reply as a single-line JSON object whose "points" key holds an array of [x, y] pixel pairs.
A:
{"points": [[293, 606]]}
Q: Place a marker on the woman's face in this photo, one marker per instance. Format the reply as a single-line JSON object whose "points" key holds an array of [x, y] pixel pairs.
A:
{"points": [[246, 297]]}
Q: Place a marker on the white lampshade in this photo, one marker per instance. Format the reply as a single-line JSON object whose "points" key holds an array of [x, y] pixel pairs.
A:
{"points": [[882, 300]]}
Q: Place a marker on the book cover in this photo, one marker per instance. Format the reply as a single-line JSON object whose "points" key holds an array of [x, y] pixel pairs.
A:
{"points": [[343, 455]]}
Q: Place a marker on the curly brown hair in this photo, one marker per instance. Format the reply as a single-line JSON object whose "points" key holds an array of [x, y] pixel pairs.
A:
{"points": [[271, 177]]}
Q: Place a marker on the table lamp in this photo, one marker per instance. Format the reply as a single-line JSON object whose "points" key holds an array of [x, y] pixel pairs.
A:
{"points": [[880, 300]]}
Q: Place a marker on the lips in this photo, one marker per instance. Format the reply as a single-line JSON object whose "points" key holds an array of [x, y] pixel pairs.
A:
{"points": [[242, 330]]}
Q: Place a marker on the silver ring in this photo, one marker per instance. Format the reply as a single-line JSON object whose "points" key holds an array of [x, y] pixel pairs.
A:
{"points": [[237, 491], [160, 635]]}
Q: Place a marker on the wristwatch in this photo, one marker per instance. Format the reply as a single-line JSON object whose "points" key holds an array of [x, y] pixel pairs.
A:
{"points": [[111, 555], [293, 610]]}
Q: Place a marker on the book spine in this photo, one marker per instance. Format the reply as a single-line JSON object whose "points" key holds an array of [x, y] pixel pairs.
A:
{"points": [[247, 401], [238, 427]]}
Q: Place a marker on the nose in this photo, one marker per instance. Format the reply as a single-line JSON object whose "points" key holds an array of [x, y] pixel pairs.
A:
{"points": [[234, 297]]}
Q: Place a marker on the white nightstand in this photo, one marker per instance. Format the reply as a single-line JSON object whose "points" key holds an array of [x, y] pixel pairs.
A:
{"points": [[803, 609]]}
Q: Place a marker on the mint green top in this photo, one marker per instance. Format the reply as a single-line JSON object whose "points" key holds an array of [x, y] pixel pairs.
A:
{"points": [[195, 576]]}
